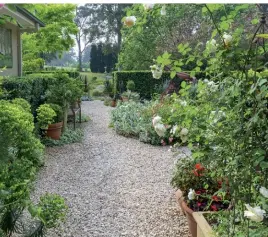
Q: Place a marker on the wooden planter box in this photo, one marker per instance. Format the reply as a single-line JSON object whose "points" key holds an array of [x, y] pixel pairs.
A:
{"points": [[198, 225], [203, 228]]}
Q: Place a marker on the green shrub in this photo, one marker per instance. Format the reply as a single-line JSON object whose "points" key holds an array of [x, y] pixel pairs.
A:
{"points": [[97, 93], [31, 88], [68, 136], [133, 119], [131, 85], [23, 103], [94, 79], [144, 82], [72, 74], [45, 115]]}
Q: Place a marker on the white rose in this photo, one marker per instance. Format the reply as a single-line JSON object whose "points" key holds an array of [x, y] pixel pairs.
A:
{"points": [[184, 132], [148, 6], [156, 119], [157, 75], [254, 213], [156, 71], [163, 11], [130, 20], [183, 103], [160, 129], [264, 191], [174, 129], [227, 38], [191, 194]]}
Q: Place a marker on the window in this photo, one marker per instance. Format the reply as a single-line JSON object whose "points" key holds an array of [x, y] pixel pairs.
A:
{"points": [[6, 48]]}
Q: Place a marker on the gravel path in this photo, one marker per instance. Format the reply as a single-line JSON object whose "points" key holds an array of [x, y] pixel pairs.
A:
{"points": [[114, 186]]}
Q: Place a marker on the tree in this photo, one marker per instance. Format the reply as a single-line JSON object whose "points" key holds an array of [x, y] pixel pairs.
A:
{"points": [[85, 33], [86, 56], [56, 37], [93, 58], [106, 21]]}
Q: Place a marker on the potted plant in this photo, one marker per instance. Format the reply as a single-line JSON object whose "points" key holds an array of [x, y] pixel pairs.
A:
{"points": [[64, 92], [197, 190], [48, 120]]}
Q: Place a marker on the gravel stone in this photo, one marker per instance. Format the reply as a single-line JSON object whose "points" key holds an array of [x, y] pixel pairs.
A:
{"points": [[114, 186]]}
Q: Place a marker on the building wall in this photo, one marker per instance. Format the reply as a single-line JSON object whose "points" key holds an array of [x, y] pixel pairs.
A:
{"points": [[14, 71]]}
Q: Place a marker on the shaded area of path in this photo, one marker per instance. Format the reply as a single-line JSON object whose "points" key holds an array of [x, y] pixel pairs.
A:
{"points": [[114, 186]]}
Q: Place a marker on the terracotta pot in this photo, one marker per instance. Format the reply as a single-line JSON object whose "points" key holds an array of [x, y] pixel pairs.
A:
{"points": [[113, 103], [54, 130]]}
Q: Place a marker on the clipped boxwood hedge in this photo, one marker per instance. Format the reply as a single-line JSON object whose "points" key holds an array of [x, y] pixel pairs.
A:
{"points": [[145, 84], [31, 88], [72, 74]]}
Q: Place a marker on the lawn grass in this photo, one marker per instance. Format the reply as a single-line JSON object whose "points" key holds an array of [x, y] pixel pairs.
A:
{"points": [[93, 84]]}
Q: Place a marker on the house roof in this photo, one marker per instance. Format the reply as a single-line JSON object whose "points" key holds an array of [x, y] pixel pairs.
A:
{"points": [[30, 16], [24, 18]]}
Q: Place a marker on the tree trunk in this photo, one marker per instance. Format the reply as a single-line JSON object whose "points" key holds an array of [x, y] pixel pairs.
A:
{"points": [[79, 57]]}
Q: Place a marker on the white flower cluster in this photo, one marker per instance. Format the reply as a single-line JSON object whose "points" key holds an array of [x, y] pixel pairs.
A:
{"points": [[227, 38], [212, 45], [156, 71], [183, 134], [213, 87], [148, 6], [163, 11], [256, 213], [191, 194], [130, 21], [217, 116], [159, 127]]}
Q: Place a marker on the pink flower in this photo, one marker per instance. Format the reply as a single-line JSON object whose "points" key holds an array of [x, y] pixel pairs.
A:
{"points": [[2, 5], [163, 143], [170, 139]]}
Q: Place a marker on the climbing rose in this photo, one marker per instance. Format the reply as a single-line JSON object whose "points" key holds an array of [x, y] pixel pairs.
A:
{"points": [[227, 38], [148, 6], [156, 120], [163, 11], [191, 194], [130, 20], [254, 213], [264, 191], [160, 129]]}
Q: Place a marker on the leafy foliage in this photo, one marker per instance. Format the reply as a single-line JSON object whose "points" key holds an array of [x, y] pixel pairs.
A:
{"points": [[145, 84]]}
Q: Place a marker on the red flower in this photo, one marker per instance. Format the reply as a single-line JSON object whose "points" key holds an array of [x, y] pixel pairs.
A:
{"points": [[214, 208], [197, 192], [198, 166], [199, 204], [216, 198]]}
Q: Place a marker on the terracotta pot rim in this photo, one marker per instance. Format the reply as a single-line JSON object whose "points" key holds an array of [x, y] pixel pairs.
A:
{"points": [[55, 125]]}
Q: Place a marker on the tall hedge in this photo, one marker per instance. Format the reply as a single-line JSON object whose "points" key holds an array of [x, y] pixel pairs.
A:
{"points": [[72, 74], [31, 88], [145, 84]]}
